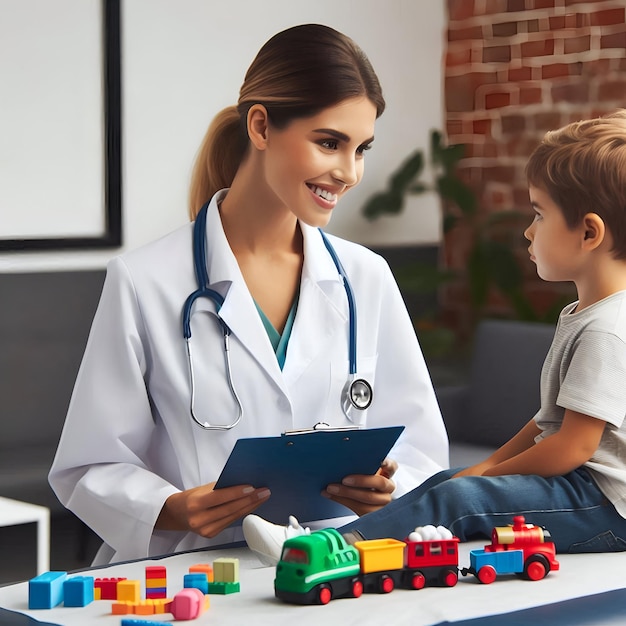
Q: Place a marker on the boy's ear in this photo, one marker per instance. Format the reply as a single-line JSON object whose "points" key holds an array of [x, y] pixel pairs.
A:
{"points": [[258, 123], [594, 231]]}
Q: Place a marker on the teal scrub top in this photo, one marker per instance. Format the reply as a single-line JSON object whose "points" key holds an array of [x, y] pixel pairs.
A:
{"points": [[279, 342]]}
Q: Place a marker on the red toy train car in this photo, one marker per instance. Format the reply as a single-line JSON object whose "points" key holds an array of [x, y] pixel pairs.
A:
{"points": [[316, 568]]}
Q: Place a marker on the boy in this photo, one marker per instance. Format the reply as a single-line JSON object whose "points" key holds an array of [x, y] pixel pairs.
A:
{"points": [[566, 468]]}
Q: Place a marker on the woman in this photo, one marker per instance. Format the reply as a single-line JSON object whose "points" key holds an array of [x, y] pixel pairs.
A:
{"points": [[271, 170]]}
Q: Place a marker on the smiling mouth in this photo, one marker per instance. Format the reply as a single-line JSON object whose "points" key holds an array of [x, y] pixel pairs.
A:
{"points": [[323, 193]]}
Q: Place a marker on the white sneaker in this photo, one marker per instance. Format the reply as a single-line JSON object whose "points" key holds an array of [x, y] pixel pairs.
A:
{"points": [[266, 539]]}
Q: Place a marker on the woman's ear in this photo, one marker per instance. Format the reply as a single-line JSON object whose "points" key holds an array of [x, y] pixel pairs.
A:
{"points": [[258, 123], [594, 231]]}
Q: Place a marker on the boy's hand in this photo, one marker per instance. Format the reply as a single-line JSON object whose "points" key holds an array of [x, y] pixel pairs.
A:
{"points": [[364, 494], [474, 470]]}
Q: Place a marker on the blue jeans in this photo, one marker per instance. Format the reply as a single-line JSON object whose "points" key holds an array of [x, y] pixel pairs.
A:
{"points": [[571, 507]]}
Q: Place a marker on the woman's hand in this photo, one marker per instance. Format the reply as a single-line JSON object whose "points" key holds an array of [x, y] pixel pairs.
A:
{"points": [[207, 511], [364, 494]]}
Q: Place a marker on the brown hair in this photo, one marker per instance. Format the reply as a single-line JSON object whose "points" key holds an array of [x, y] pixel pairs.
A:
{"points": [[297, 73], [582, 166]]}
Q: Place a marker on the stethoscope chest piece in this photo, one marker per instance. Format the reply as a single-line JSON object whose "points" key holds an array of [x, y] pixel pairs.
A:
{"points": [[357, 396]]}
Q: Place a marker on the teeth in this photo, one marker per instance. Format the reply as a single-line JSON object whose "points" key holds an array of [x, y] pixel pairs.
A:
{"points": [[324, 194]]}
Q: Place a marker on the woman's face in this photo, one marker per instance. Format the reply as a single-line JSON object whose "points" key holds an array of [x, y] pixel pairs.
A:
{"points": [[315, 160]]}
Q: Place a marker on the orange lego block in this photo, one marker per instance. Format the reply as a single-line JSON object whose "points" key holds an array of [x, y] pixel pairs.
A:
{"points": [[144, 608], [203, 568], [122, 608]]}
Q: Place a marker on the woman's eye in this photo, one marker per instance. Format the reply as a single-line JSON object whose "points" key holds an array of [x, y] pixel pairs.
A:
{"points": [[364, 148], [329, 144]]}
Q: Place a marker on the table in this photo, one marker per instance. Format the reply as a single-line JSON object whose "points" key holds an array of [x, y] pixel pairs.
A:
{"points": [[580, 579], [14, 512]]}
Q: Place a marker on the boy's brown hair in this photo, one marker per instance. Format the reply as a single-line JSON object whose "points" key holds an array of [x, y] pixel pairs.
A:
{"points": [[582, 166]]}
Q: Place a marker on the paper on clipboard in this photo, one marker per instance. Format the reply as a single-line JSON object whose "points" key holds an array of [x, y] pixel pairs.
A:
{"points": [[297, 467]]}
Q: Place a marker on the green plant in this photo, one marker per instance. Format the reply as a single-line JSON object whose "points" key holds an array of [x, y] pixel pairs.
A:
{"points": [[493, 238]]}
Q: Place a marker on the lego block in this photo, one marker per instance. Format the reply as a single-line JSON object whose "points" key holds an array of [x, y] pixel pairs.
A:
{"points": [[197, 580], [203, 568], [155, 571], [226, 570], [107, 587], [223, 588], [156, 581], [154, 593], [143, 622], [78, 591], [129, 590], [46, 590], [122, 608]]}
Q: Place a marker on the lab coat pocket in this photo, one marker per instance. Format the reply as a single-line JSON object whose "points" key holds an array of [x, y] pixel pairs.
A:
{"points": [[366, 369]]}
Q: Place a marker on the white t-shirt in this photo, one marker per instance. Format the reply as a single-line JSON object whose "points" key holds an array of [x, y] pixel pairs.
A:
{"points": [[585, 371]]}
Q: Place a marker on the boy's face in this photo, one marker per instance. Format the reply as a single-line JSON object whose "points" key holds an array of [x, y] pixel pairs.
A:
{"points": [[554, 246]]}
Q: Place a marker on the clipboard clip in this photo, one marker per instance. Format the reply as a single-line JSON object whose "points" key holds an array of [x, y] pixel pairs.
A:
{"points": [[321, 427]]}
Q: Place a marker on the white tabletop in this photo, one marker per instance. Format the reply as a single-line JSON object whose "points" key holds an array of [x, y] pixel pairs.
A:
{"points": [[580, 575], [14, 512]]}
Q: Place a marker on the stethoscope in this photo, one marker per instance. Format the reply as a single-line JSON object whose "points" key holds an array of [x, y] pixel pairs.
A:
{"points": [[357, 393]]}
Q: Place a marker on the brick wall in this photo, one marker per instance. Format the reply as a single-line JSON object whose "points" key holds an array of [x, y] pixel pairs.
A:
{"points": [[513, 70]]}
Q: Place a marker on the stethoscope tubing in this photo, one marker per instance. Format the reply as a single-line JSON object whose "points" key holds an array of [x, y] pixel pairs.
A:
{"points": [[353, 392]]}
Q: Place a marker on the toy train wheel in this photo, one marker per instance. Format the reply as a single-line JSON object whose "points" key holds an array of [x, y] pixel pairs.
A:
{"points": [[449, 578], [356, 588], [486, 574], [418, 580], [324, 594], [536, 567], [385, 584]]}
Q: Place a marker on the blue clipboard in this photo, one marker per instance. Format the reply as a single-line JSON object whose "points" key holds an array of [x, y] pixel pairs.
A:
{"points": [[297, 467]]}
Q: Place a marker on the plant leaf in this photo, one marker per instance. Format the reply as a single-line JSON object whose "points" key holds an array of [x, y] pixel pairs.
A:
{"points": [[382, 203], [407, 172]]}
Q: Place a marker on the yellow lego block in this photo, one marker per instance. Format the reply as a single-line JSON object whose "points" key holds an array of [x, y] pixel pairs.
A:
{"points": [[129, 590], [156, 583], [226, 570], [159, 604], [97, 593]]}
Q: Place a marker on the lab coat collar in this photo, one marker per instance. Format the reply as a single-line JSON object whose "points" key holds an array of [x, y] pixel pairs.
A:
{"points": [[322, 305], [322, 309]]}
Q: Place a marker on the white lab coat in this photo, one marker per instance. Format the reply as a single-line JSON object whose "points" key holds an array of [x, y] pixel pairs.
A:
{"points": [[129, 441]]}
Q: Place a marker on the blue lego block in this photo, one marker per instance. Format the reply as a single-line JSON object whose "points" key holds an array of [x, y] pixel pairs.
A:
{"points": [[143, 622], [46, 590], [197, 580], [78, 591]]}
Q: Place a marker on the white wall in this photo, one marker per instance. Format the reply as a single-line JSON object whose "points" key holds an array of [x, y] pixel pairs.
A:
{"points": [[184, 60]]}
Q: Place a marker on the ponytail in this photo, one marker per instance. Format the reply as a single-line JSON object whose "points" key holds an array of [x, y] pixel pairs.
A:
{"points": [[218, 159]]}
